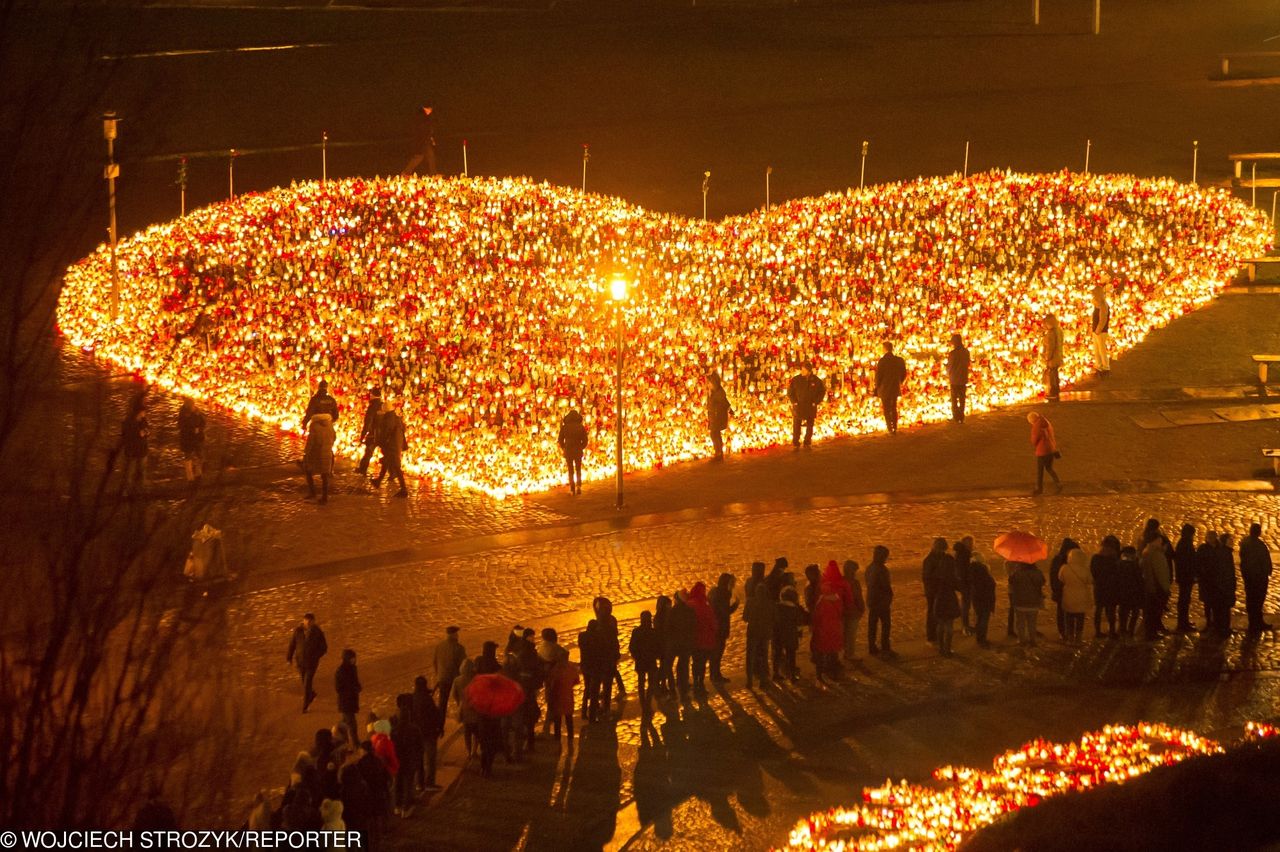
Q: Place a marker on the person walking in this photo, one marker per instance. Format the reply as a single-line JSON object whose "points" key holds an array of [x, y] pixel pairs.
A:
{"points": [[346, 685], [191, 440], [1104, 570], [423, 139], [891, 372], [946, 603], [392, 442], [718, 413], [369, 429], [853, 615], [706, 635], [317, 455], [645, 652], [806, 391], [572, 441], [724, 605], [1051, 346], [1026, 589], [1156, 582], [1255, 570], [1132, 595], [936, 563], [1045, 445], [306, 647], [879, 602], [958, 377], [684, 639], [133, 444], [1099, 327], [983, 594], [1077, 594], [963, 550], [787, 617], [446, 661], [1184, 574], [758, 613]]}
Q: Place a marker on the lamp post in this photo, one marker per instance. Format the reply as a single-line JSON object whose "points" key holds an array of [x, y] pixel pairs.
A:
{"points": [[767, 172], [618, 290], [1195, 159], [182, 186], [231, 174], [1088, 148], [862, 174], [586, 155], [324, 158], [111, 172], [706, 185]]}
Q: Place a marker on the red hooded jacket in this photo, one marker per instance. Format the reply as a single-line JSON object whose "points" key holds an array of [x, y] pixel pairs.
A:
{"points": [[835, 598], [706, 635]]}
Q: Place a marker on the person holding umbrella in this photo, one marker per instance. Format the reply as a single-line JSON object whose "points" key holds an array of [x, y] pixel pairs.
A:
{"points": [[1021, 551]]}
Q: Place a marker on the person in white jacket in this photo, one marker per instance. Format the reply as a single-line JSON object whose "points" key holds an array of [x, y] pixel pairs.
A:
{"points": [[1077, 593]]}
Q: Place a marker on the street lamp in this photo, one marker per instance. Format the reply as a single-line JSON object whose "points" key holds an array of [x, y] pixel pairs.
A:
{"points": [[111, 172], [618, 289]]}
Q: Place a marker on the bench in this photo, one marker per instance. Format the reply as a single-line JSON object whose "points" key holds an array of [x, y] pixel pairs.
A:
{"points": [[1251, 265], [1262, 361], [1252, 61], [1274, 455]]}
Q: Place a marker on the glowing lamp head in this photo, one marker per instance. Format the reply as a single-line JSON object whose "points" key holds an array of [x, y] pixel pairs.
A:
{"points": [[618, 289]]}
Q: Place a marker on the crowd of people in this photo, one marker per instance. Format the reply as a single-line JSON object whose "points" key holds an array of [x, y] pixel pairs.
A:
{"points": [[483, 306]]}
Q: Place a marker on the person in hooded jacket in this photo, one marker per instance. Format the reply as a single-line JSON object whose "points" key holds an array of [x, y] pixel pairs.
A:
{"points": [[684, 639], [758, 613], [317, 454], [983, 596], [705, 635], [572, 441], [776, 578], [935, 565], [1184, 574], [853, 615], [1104, 570], [1156, 582], [1055, 582], [467, 714], [562, 676], [787, 618], [1077, 593], [603, 609], [834, 598], [724, 605], [879, 601], [1131, 596], [645, 651], [593, 648], [1044, 443]]}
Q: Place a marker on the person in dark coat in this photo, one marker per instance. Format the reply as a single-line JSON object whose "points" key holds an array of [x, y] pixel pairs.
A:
{"points": [[427, 717], [983, 595], [408, 741], [392, 442], [346, 684], [369, 429], [358, 803], [946, 604], [603, 609], [756, 579], [776, 578], [1255, 571], [1055, 581], [937, 563], [1184, 575], [724, 605], [665, 681], [572, 440], [879, 601], [812, 586], [787, 617], [317, 456], [806, 391], [891, 372], [306, 647], [718, 411], [1132, 595], [645, 652], [957, 376], [593, 648], [683, 633], [758, 613], [377, 778], [447, 661], [963, 550], [423, 138], [321, 403], [1224, 579], [191, 440], [133, 444], [1104, 568], [1206, 565]]}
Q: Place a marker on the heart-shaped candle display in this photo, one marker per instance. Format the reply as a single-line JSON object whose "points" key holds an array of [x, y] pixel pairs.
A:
{"points": [[484, 305]]}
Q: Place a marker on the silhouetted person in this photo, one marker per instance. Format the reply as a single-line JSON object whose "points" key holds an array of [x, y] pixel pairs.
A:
{"points": [[958, 376], [891, 372], [369, 429], [1051, 351], [1104, 568], [306, 647], [1184, 574], [936, 565], [1157, 579], [983, 595], [321, 402], [805, 392], [1255, 570], [572, 440], [758, 612], [447, 661], [133, 444], [879, 601], [392, 442], [346, 683], [786, 634], [724, 605], [645, 651], [423, 141], [191, 440], [1099, 327], [718, 411]]}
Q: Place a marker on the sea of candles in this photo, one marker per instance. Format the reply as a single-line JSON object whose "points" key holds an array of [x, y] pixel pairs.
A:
{"points": [[483, 305], [943, 815]]}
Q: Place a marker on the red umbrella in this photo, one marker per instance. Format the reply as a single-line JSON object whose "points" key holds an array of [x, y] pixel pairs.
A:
{"points": [[1019, 546], [494, 695]]}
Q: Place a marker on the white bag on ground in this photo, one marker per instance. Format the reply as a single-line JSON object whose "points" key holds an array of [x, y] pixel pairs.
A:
{"points": [[207, 559]]}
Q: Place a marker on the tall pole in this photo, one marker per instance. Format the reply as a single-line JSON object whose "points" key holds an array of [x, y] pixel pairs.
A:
{"points": [[324, 158], [1088, 148], [1253, 183], [182, 186], [767, 172], [231, 174], [1035, 12], [112, 172], [1195, 159], [862, 175], [966, 158], [1273, 207], [586, 155], [465, 173], [706, 185], [1097, 17]]}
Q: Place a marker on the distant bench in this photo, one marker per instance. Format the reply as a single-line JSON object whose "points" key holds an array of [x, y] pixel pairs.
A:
{"points": [[1250, 63], [1263, 361], [1274, 455], [1251, 265]]}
